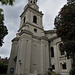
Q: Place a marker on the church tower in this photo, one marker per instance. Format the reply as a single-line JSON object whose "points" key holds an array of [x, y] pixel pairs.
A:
{"points": [[30, 48], [31, 19]]}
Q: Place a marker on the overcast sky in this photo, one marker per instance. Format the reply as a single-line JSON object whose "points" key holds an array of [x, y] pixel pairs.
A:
{"points": [[50, 9]]}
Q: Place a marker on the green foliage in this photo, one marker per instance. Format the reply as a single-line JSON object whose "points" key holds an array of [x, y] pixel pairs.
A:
{"points": [[3, 29], [5, 2], [65, 23], [52, 73], [70, 1], [65, 28], [3, 68], [69, 47], [72, 72]]}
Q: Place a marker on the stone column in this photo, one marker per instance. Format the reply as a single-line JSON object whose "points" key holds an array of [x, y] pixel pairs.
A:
{"points": [[23, 60], [12, 62], [44, 56]]}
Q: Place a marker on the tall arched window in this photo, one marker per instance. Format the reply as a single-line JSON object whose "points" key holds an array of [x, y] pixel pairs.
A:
{"points": [[60, 48], [31, 1], [34, 19], [52, 52], [64, 66]]}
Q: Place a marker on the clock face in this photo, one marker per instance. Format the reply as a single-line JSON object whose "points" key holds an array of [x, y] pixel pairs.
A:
{"points": [[11, 70]]}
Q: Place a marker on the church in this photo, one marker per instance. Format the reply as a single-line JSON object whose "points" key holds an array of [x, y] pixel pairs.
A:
{"points": [[35, 50]]}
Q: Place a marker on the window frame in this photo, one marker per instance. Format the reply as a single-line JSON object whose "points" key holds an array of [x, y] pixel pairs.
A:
{"points": [[53, 67], [52, 52], [24, 19], [64, 66], [61, 51], [34, 19]]}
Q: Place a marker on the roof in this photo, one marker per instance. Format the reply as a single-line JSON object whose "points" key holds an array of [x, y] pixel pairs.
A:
{"points": [[50, 31]]}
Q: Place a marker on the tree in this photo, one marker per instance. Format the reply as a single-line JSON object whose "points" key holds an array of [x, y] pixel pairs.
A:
{"points": [[5, 2], [3, 28], [3, 68], [65, 28]]}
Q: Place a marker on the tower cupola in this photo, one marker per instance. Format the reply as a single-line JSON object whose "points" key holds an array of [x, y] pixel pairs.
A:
{"points": [[32, 2]]}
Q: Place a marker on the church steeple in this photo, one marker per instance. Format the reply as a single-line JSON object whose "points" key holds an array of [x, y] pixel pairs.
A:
{"points": [[31, 18], [30, 2]]}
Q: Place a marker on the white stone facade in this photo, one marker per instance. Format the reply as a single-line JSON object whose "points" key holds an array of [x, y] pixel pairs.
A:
{"points": [[31, 48]]}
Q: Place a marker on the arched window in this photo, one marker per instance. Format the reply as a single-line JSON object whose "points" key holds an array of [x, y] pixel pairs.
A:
{"points": [[31, 1], [60, 48], [34, 19], [64, 66], [24, 19], [52, 52], [15, 59], [53, 67]]}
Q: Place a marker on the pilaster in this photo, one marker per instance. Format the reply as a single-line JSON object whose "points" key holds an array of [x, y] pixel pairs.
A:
{"points": [[23, 60], [44, 55], [12, 61]]}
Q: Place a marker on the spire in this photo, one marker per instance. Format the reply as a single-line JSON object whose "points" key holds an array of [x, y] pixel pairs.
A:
{"points": [[32, 2]]}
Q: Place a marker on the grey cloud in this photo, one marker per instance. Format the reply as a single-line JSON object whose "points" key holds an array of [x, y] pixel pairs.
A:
{"points": [[50, 9], [4, 52]]}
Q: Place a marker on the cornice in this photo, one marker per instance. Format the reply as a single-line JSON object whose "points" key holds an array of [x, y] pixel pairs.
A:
{"points": [[40, 38], [44, 38], [25, 31], [15, 39], [33, 36], [36, 37], [38, 12], [31, 25], [28, 7], [34, 25], [51, 39], [50, 31]]}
